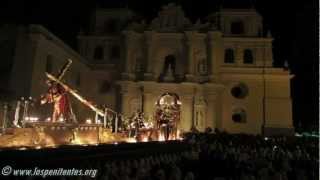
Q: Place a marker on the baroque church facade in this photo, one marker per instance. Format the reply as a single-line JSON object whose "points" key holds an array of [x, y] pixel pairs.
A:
{"points": [[220, 69]]}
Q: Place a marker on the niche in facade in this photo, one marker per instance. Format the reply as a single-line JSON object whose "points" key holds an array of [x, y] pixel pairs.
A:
{"points": [[98, 53], [169, 64]]}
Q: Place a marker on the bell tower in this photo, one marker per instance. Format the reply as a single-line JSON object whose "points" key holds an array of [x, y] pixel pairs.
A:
{"points": [[240, 22]]}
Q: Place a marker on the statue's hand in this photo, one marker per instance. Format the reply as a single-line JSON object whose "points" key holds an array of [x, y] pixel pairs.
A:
{"points": [[42, 99]]}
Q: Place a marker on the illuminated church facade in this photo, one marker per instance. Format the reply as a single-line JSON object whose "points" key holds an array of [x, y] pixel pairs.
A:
{"points": [[220, 69]]}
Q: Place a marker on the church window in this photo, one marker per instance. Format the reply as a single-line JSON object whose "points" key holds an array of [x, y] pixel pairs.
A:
{"points": [[247, 56], [239, 116], [229, 56], [237, 27], [98, 53], [240, 91]]}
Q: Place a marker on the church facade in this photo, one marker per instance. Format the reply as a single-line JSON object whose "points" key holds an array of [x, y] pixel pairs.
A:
{"points": [[220, 68]]}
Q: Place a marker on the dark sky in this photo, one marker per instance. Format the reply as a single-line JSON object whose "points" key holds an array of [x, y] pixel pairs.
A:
{"points": [[294, 26]]}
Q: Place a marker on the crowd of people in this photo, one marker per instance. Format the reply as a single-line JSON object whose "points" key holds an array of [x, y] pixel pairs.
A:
{"points": [[224, 157], [219, 156], [255, 157]]}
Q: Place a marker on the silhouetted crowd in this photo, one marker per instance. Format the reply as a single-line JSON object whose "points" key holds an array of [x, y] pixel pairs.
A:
{"points": [[220, 157], [247, 157], [224, 157]]}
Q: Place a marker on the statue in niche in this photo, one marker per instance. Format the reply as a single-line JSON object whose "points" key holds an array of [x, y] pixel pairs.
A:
{"points": [[169, 76], [169, 68], [200, 110]]}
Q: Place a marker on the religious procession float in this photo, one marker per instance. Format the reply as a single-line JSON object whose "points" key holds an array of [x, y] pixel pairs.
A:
{"points": [[63, 128]]}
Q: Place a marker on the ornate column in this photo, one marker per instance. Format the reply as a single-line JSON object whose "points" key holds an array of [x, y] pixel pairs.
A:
{"points": [[211, 120], [149, 39], [215, 53], [239, 55], [258, 56], [128, 45], [190, 55], [186, 112], [149, 104], [268, 54], [125, 97]]}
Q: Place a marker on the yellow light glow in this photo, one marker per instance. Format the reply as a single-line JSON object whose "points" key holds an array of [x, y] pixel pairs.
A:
{"points": [[61, 119], [145, 139], [88, 121], [161, 137], [131, 140], [179, 137], [31, 119]]}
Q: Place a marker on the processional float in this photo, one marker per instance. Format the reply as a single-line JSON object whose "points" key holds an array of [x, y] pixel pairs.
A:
{"points": [[74, 93], [41, 133], [99, 112]]}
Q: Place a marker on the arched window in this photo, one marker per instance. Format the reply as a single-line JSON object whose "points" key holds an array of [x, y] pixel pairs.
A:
{"points": [[237, 27], [247, 57], [115, 52], [49, 64], [98, 53], [229, 56]]}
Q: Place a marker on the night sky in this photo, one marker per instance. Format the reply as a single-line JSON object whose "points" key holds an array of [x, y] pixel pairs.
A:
{"points": [[294, 25]]}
